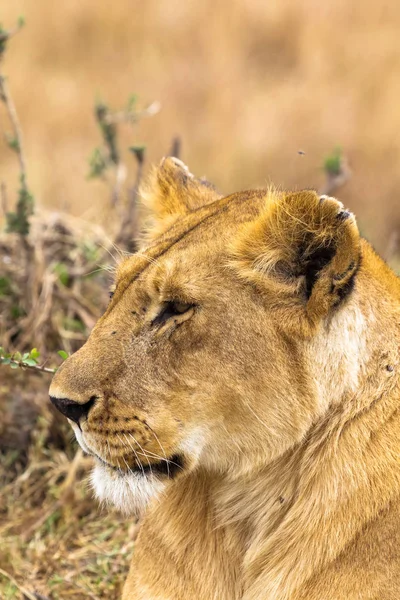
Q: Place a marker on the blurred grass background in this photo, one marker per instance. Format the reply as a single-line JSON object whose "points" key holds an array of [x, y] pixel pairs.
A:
{"points": [[245, 84], [259, 92]]}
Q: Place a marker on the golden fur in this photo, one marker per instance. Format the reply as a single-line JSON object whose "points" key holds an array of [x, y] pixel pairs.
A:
{"points": [[243, 386]]}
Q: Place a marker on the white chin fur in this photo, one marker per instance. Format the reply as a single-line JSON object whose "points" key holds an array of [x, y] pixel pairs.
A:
{"points": [[130, 493]]}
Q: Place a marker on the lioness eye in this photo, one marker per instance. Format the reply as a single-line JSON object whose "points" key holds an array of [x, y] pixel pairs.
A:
{"points": [[111, 294], [171, 309], [180, 307]]}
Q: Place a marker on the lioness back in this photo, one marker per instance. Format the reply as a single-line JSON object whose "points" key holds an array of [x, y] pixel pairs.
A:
{"points": [[241, 392]]}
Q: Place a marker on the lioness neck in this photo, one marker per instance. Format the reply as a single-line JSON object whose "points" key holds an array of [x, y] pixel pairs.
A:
{"points": [[306, 507], [270, 533]]}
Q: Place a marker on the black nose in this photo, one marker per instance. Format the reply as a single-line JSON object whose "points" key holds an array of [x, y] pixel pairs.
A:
{"points": [[73, 410]]}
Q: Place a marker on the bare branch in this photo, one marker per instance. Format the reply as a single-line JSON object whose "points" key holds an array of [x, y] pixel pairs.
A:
{"points": [[176, 147], [6, 97], [3, 196]]}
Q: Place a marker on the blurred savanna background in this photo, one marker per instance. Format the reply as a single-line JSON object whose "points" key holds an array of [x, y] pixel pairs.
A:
{"points": [[257, 93]]}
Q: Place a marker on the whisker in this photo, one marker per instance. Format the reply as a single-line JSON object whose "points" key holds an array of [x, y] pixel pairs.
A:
{"points": [[110, 253], [119, 251], [136, 454], [161, 446], [257, 417], [232, 440], [130, 447], [144, 453], [149, 454], [109, 450], [151, 260]]}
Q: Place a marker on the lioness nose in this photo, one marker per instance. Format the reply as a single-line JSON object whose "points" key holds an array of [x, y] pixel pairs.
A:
{"points": [[73, 410]]}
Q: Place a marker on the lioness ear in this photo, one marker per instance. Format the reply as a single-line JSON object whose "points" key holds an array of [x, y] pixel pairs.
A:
{"points": [[307, 246], [172, 191]]}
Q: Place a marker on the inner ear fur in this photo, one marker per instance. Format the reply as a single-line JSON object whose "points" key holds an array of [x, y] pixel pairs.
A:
{"points": [[170, 192], [307, 245]]}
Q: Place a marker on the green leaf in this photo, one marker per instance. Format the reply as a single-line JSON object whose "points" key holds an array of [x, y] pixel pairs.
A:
{"points": [[5, 361], [64, 355], [138, 151], [333, 162], [72, 324], [13, 143], [62, 271], [14, 365], [17, 356], [34, 353], [18, 222], [16, 311], [132, 100], [97, 164], [30, 362], [5, 286], [21, 21]]}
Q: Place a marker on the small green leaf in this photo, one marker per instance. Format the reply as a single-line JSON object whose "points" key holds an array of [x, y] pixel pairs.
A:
{"points": [[13, 143], [97, 164], [21, 21], [72, 324], [14, 365], [25, 355], [34, 353], [64, 355], [5, 361], [138, 151], [17, 356], [132, 100], [5, 286], [30, 362], [62, 271], [333, 162]]}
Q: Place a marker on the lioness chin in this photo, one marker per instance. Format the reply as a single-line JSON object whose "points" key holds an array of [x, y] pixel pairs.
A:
{"points": [[243, 388]]}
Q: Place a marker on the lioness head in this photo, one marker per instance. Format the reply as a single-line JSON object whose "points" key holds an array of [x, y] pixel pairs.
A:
{"points": [[215, 351]]}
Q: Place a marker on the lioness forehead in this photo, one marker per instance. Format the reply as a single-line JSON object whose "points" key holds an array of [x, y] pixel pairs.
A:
{"points": [[193, 233]]}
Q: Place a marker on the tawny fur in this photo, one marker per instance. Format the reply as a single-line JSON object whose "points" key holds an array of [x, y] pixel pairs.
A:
{"points": [[278, 385]]}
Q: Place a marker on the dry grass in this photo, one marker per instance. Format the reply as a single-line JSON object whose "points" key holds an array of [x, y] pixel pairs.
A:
{"points": [[55, 540], [52, 284]]}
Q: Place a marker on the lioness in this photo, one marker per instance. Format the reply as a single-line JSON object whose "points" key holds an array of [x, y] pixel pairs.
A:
{"points": [[243, 386]]}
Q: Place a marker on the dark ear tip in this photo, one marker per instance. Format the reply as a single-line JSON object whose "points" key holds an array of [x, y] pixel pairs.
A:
{"points": [[343, 215]]}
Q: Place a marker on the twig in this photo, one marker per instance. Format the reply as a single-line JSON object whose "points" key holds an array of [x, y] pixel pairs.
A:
{"points": [[12, 113], [128, 229], [176, 147], [3, 194], [21, 588], [7, 35], [22, 365]]}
